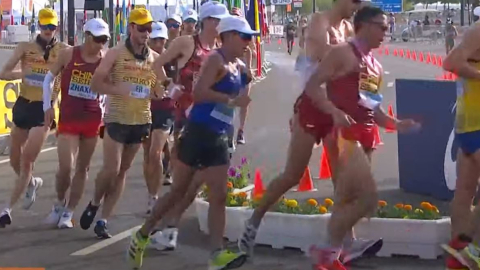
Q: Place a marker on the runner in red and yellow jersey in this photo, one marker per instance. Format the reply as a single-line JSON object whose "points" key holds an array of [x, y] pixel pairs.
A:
{"points": [[80, 118]]}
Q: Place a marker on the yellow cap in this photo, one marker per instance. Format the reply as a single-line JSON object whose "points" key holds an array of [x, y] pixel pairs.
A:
{"points": [[140, 16], [47, 16]]}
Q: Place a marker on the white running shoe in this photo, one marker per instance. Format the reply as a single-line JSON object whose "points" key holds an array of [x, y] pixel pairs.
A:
{"points": [[31, 194], [361, 248], [165, 240], [55, 214], [65, 221]]}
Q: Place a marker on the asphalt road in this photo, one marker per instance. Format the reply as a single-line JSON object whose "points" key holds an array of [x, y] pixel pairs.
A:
{"points": [[28, 243]]}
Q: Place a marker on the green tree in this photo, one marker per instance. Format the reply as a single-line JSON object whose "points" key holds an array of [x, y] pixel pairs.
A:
{"points": [[307, 5]]}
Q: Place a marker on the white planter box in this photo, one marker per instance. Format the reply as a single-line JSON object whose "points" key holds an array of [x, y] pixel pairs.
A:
{"points": [[289, 230], [407, 237]]}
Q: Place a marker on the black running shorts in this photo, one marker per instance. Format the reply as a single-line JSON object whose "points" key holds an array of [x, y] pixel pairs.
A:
{"points": [[128, 134], [162, 119], [200, 147], [28, 114]]}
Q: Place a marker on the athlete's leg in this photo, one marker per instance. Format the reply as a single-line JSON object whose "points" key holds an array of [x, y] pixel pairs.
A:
{"points": [[36, 137], [18, 138], [112, 157], [155, 165]]}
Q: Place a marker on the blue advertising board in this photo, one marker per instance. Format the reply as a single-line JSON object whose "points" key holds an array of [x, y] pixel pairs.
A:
{"points": [[427, 159], [394, 6]]}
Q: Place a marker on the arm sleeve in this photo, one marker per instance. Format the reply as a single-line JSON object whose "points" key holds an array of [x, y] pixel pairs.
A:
{"points": [[47, 91]]}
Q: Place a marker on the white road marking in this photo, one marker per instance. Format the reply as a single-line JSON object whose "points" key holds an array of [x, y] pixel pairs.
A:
{"points": [[390, 84], [105, 243], [387, 72], [42, 151]]}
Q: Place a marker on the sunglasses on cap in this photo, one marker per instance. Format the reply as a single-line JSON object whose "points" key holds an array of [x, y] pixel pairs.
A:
{"points": [[245, 37], [50, 27], [144, 28], [173, 25], [190, 20]]}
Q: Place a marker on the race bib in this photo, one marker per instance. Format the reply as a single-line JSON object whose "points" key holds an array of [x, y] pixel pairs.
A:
{"points": [[460, 88], [223, 113], [81, 91], [369, 92], [140, 91], [35, 79]]}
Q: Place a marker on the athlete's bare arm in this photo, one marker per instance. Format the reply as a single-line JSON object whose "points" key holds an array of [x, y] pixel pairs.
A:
{"points": [[202, 91], [55, 69], [383, 119], [101, 78], [316, 37], [158, 89], [179, 47], [469, 48], [66, 57], [339, 61], [8, 73]]}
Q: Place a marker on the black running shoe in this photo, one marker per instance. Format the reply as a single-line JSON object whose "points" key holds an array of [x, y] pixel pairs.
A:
{"points": [[101, 230], [5, 219], [88, 216]]}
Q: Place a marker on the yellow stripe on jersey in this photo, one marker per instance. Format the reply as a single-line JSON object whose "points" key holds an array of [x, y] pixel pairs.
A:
{"points": [[468, 102]]}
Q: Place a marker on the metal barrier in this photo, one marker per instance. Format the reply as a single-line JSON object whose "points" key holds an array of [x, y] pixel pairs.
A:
{"points": [[426, 33]]}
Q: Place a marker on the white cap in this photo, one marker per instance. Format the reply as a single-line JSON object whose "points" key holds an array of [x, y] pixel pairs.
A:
{"points": [[213, 9], [175, 17], [235, 23], [476, 11], [97, 27], [159, 30], [190, 14]]}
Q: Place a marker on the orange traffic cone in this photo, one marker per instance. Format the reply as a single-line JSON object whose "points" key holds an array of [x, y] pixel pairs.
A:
{"points": [[377, 138], [429, 59], [434, 59], [420, 57], [390, 113], [258, 188], [325, 171], [387, 52], [306, 183], [439, 61], [408, 54], [402, 53], [395, 52]]}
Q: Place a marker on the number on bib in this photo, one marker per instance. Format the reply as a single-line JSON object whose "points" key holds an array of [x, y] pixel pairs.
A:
{"points": [[140, 91]]}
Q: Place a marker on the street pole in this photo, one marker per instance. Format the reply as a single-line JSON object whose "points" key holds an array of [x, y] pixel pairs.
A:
{"points": [[71, 22], [62, 25], [462, 12], [314, 6], [111, 22]]}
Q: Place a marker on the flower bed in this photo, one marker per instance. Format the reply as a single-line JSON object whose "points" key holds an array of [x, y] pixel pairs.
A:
{"points": [[405, 230]]}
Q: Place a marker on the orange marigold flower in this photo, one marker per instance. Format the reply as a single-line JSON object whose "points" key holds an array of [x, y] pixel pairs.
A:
{"points": [[328, 202], [312, 202], [399, 205], [242, 194], [408, 207], [322, 209], [426, 206], [382, 203], [435, 209], [229, 184]]}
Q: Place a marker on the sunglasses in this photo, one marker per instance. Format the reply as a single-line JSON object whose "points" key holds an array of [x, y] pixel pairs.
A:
{"points": [[190, 21], [144, 28], [173, 25], [100, 39], [50, 27], [356, 1], [245, 37]]}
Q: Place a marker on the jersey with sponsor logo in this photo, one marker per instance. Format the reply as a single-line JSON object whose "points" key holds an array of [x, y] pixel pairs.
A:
{"points": [[36, 68], [133, 109], [468, 99], [79, 102]]}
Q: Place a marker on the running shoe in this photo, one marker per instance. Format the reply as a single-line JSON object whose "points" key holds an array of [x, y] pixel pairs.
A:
{"points": [[54, 217], [240, 137], [5, 218], [226, 259], [361, 248], [165, 240], [88, 216], [451, 262], [65, 221], [322, 258], [135, 250], [469, 256], [247, 240], [31, 194], [166, 172], [101, 230]]}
